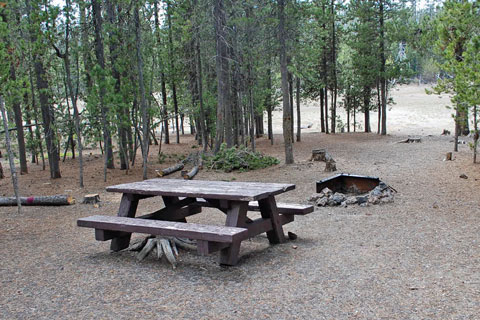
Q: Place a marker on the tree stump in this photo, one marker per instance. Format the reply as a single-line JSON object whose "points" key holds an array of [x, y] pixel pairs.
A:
{"points": [[448, 156], [319, 155], [91, 198], [330, 166]]}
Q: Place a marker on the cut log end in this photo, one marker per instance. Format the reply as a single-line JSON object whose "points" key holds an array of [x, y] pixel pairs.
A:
{"points": [[91, 198], [169, 170]]}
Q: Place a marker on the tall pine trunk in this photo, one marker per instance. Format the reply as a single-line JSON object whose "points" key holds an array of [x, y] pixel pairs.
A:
{"points": [[383, 82], [299, 123], [224, 112], [99, 52], [172, 71], [287, 116], [145, 122]]}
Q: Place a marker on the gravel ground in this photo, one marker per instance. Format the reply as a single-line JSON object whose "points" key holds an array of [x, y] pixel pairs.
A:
{"points": [[415, 258]]}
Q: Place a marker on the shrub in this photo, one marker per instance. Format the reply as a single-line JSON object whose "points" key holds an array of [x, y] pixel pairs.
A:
{"points": [[238, 159]]}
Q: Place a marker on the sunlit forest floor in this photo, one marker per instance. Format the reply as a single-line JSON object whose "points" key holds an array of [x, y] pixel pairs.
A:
{"points": [[415, 258]]}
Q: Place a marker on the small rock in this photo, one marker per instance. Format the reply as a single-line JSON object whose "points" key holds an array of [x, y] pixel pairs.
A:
{"points": [[327, 192], [331, 202], [338, 197], [435, 205], [463, 176], [315, 197], [343, 204], [294, 247], [322, 202], [362, 199], [351, 200]]}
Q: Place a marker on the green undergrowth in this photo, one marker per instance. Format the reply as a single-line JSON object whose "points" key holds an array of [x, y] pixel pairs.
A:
{"points": [[242, 159]]}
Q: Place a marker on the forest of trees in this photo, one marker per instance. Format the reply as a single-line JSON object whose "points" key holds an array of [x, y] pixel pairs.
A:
{"points": [[119, 74]]}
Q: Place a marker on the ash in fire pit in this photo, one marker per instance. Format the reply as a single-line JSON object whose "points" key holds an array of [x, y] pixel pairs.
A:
{"points": [[347, 189]]}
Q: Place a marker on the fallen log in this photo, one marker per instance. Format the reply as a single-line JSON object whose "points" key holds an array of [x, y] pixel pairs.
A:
{"points": [[188, 175], [57, 200], [169, 170], [410, 140]]}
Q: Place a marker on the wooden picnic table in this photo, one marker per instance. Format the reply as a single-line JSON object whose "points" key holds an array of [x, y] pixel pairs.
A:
{"points": [[183, 198]]}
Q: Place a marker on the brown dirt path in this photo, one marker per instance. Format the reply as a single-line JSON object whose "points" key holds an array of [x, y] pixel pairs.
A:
{"points": [[416, 258]]}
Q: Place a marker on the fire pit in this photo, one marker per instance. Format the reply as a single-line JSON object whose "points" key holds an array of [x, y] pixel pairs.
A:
{"points": [[348, 183], [348, 189]]}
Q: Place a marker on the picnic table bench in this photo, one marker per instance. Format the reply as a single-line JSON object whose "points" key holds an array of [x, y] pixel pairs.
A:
{"points": [[183, 198]]}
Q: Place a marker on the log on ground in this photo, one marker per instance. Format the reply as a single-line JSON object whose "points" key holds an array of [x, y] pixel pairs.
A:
{"points": [[188, 175], [169, 170], [56, 200]]}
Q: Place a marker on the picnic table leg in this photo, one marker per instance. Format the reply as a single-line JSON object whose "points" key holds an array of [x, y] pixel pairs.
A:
{"points": [[236, 216], [128, 208], [167, 200], [268, 210]]}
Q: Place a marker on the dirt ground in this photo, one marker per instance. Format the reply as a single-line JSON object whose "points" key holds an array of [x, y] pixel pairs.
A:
{"points": [[415, 258]]}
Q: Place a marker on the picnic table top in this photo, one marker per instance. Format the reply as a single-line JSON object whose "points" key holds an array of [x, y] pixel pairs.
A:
{"points": [[239, 191]]}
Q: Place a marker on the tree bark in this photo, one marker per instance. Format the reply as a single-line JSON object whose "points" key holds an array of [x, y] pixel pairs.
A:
{"points": [[383, 82], [224, 111], [10, 156], [17, 110], [145, 121], [287, 116], [58, 200], [172, 70], [99, 52], [299, 122], [366, 107]]}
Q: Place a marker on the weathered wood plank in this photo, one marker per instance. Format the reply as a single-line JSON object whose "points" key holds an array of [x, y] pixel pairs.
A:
{"points": [[242, 191], [178, 215], [283, 208], [128, 208], [268, 209], [236, 217], [261, 225], [165, 228], [207, 247]]}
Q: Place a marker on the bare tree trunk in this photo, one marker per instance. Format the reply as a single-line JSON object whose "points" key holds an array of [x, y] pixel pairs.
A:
{"points": [[198, 65], [334, 69], [327, 131], [299, 122], [287, 116], [145, 121], [17, 110], [172, 70], [290, 94], [379, 104], [383, 81], [269, 104], [35, 117], [475, 134], [224, 112], [322, 116], [99, 51], [10, 154], [366, 107]]}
